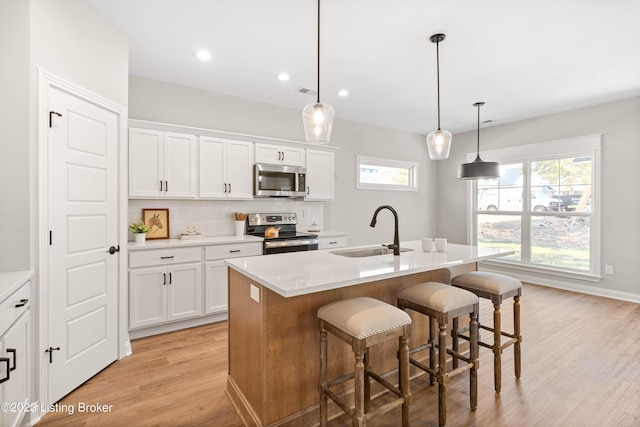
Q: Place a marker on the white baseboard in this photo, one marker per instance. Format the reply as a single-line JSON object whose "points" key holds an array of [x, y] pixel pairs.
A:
{"points": [[176, 326]]}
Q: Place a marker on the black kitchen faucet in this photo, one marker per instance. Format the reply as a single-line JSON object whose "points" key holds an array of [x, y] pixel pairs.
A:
{"points": [[396, 241]]}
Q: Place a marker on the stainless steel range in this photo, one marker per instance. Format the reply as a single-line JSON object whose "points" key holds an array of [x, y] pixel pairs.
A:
{"points": [[279, 232]]}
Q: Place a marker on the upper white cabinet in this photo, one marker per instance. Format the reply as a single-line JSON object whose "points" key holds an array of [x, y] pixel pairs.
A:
{"points": [[226, 168], [320, 175], [279, 154], [162, 164]]}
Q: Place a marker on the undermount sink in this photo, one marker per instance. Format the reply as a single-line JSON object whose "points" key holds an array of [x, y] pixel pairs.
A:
{"points": [[365, 252]]}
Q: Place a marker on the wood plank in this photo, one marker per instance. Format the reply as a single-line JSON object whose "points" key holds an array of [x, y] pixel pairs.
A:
{"points": [[580, 367]]}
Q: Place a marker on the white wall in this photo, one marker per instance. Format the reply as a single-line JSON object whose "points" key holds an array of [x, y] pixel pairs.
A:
{"points": [[619, 124], [352, 209], [14, 144]]}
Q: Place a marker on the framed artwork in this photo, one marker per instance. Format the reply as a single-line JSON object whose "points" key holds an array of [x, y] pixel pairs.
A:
{"points": [[158, 222]]}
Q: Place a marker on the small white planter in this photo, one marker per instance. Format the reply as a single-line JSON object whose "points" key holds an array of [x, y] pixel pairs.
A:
{"points": [[140, 237]]}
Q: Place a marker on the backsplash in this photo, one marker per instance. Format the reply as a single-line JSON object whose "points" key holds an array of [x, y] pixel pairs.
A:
{"points": [[214, 217]]}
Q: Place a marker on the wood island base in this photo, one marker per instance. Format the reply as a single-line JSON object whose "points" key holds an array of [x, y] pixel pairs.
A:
{"points": [[274, 346]]}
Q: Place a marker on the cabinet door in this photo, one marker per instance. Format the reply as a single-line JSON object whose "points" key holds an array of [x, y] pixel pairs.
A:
{"points": [[146, 175], [320, 173], [216, 276], [185, 291], [292, 156], [240, 169], [180, 167], [15, 347], [213, 183], [266, 153], [147, 296]]}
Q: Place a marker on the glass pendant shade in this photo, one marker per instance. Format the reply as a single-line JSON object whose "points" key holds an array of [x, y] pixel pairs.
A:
{"points": [[439, 144], [318, 121]]}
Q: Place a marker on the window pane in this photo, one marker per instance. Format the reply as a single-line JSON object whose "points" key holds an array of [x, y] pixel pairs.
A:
{"points": [[504, 193], [370, 174], [500, 231], [561, 241]]}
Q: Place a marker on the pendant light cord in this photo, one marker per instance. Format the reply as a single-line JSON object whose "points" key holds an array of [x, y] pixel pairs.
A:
{"points": [[318, 98], [478, 151], [438, 78]]}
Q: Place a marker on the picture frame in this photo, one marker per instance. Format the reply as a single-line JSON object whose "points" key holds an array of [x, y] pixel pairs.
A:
{"points": [[158, 222]]}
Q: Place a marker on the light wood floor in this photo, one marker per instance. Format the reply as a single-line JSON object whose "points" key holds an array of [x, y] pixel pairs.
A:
{"points": [[581, 367]]}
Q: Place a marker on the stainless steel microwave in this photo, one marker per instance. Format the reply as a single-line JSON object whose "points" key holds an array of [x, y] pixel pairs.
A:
{"points": [[279, 180]]}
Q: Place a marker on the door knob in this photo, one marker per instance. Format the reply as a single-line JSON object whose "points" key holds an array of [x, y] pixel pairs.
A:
{"points": [[112, 250]]}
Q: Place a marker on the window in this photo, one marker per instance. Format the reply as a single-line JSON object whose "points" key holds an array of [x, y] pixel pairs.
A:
{"points": [[543, 206], [384, 174]]}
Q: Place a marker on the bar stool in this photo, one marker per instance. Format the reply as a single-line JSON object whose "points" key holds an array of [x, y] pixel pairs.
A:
{"points": [[363, 322], [495, 287], [443, 303]]}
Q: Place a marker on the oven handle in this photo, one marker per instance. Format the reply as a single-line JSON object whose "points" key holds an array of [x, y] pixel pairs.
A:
{"points": [[288, 243]]}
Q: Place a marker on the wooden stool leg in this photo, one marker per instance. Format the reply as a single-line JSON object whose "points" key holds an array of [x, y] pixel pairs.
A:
{"points": [[442, 375], [323, 375], [473, 356], [404, 380], [433, 332], [454, 342], [367, 383], [516, 331], [359, 420], [497, 348]]}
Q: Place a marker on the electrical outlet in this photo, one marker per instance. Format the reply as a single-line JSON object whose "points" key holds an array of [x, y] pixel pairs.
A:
{"points": [[608, 269], [255, 293]]}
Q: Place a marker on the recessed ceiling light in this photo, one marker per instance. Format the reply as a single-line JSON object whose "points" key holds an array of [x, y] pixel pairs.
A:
{"points": [[283, 77], [203, 55], [343, 92]]}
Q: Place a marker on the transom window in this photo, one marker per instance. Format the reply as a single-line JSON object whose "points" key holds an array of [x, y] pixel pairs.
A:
{"points": [[384, 174], [543, 206]]}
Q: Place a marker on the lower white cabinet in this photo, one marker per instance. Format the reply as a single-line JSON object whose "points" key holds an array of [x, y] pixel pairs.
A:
{"points": [[332, 242], [14, 356], [164, 294], [174, 288]]}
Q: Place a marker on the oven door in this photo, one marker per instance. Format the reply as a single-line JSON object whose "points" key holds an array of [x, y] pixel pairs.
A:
{"points": [[289, 245]]}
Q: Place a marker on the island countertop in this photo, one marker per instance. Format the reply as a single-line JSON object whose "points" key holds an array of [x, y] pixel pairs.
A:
{"points": [[301, 273]]}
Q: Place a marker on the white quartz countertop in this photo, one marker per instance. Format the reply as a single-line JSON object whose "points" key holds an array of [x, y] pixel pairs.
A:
{"points": [[301, 273], [205, 241], [10, 281]]}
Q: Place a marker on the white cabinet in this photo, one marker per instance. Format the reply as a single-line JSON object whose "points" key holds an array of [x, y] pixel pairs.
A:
{"points": [[320, 175], [279, 154], [332, 242], [162, 164], [216, 272], [15, 357], [226, 168], [164, 293]]}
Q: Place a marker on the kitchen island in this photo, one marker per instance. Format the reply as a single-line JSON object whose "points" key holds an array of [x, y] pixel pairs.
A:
{"points": [[273, 332]]}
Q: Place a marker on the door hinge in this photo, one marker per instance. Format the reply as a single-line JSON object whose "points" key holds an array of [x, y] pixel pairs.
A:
{"points": [[51, 113]]}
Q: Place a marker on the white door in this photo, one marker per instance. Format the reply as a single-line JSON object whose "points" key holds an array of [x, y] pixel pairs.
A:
{"points": [[180, 165], [320, 171], [212, 173], [82, 218], [146, 158], [184, 290]]}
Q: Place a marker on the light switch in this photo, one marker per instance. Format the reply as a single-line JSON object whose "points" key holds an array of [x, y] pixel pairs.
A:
{"points": [[608, 269], [255, 293]]}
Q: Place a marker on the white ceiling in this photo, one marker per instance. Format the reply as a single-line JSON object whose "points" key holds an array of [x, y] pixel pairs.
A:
{"points": [[524, 59]]}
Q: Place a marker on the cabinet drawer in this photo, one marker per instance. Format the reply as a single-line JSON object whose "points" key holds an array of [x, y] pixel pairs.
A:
{"points": [[332, 242], [233, 250], [9, 313], [164, 256]]}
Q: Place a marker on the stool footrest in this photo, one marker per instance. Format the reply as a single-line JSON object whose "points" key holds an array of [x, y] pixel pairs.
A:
{"points": [[422, 366], [338, 401], [340, 380], [422, 347], [386, 384]]}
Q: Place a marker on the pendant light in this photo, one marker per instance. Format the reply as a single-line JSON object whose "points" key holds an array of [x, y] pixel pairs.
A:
{"points": [[439, 141], [479, 169], [318, 117]]}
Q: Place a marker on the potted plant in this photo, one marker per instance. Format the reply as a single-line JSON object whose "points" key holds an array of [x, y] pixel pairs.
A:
{"points": [[139, 230]]}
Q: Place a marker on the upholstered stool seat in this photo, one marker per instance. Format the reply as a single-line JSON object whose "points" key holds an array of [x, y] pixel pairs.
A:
{"points": [[363, 322], [495, 287], [443, 303]]}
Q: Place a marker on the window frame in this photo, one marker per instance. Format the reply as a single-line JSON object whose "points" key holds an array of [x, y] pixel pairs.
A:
{"points": [[412, 167], [526, 154]]}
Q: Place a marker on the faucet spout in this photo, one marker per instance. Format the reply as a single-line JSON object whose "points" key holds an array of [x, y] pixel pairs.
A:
{"points": [[396, 240]]}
